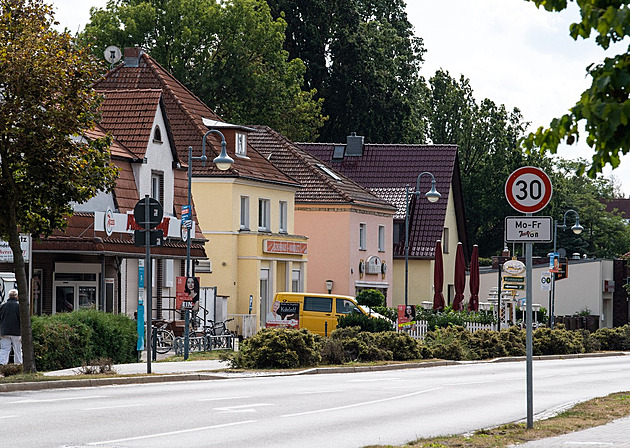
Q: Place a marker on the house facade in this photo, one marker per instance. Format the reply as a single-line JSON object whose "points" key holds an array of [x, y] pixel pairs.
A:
{"points": [[349, 229], [386, 170]]}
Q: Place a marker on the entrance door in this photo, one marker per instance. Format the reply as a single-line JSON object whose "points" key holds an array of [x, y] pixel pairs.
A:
{"points": [[75, 291], [64, 298], [265, 299]]}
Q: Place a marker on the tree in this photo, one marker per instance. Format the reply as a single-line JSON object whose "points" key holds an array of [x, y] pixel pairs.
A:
{"points": [[45, 102], [228, 53], [604, 108], [363, 59], [487, 137], [371, 298]]}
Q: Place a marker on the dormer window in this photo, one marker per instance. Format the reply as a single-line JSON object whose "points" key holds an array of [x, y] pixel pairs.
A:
{"points": [[157, 135], [241, 144]]}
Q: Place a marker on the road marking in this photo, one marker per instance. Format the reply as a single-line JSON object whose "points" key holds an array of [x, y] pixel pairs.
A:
{"points": [[468, 383], [242, 408], [363, 403], [9, 416], [172, 433], [589, 443], [374, 380], [224, 398], [114, 407], [53, 400], [329, 391]]}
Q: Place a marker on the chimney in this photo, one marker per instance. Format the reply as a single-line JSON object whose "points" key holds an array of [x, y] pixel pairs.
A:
{"points": [[354, 146], [132, 56]]}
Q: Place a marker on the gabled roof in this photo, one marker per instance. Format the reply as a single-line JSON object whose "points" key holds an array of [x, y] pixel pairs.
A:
{"points": [[186, 113], [386, 169], [116, 149], [319, 183]]}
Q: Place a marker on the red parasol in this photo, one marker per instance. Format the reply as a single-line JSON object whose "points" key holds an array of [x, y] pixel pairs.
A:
{"points": [[438, 278], [473, 304], [460, 278]]}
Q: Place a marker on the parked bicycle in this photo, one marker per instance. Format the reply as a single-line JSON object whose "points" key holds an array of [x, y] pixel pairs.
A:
{"points": [[217, 334], [163, 337]]}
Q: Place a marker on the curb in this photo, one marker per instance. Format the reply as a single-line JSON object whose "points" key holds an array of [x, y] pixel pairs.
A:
{"points": [[205, 376]]}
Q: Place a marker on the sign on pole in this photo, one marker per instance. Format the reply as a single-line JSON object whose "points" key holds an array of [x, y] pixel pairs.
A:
{"points": [[532, 229], [528, 189], [545, 281]]}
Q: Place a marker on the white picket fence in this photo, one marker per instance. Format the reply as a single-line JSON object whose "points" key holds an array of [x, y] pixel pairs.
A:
{"points": [[420, 328]]}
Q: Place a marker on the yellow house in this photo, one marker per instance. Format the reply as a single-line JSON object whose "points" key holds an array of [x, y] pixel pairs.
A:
{"points": [[246, 212]]}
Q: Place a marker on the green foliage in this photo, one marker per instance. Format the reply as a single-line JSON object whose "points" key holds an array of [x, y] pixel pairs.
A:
{"points": [[603, 108], [617, 338], [366, 323], [389, 312], [278, 348], [66, 340], [228, 53], [449, 343], [449, 318], [371, 297], [352, 344], [558, 341]]}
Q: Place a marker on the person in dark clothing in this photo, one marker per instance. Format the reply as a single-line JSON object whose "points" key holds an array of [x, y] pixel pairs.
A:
{"points": [[10, 335]]}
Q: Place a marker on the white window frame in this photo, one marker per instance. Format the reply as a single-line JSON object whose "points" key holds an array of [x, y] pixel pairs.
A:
{"points": [[244, 218], [264, 214], [241, 144], [445, 240], [362, 236], [296, 280], [381, 238], [283, 209]]}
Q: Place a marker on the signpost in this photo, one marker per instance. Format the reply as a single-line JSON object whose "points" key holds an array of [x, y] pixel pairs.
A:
{"points": [[528, 190]]}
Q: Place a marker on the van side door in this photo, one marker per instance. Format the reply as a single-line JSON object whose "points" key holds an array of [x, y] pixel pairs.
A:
{"points": [[318, 316]]}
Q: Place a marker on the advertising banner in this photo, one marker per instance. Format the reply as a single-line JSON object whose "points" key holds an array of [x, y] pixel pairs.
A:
{"points": [[187, 293], [406, 316], [283, 315]]}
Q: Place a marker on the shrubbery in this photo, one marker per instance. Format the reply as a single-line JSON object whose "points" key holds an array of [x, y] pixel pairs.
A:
{"points": [[67, 340], [365, 323]]}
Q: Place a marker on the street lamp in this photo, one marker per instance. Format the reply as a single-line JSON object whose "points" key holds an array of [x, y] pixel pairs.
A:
{"points": [[222, 162], [432, 195], [577, 229]]}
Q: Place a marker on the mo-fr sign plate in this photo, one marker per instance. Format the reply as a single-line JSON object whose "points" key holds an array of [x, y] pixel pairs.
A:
{"points": [[528, 229]]}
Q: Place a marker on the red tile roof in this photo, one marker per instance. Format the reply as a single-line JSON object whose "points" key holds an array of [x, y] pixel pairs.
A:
{"points": [[386, 169], [317, 185], [185, 113], [622, 206]]}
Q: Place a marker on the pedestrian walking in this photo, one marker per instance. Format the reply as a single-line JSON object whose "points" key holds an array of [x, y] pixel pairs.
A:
{"points": [[10, 335]]}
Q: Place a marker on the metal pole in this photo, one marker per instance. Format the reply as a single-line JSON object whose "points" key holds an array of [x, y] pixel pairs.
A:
{"points": [[529, 334], [553, 277], [499, 298], [406, 245], [189, 211], [148, 280]]}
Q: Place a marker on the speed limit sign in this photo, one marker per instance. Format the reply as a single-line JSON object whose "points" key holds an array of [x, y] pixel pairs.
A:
{"points": [[528, 189]]}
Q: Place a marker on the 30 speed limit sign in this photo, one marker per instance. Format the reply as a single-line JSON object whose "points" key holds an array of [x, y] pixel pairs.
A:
{"points": [[528, 189]]}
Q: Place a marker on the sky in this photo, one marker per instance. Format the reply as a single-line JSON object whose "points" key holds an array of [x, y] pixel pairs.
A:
{"points": [[512, 52]]}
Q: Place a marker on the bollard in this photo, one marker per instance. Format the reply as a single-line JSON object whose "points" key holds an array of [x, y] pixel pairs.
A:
{"points": [[326, 328]]}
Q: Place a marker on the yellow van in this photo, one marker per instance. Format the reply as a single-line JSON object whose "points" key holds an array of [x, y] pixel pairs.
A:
{"points": [[316, 312]]}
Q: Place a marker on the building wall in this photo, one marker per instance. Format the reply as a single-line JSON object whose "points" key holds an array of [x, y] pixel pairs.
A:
{"points": [[450, 223]]}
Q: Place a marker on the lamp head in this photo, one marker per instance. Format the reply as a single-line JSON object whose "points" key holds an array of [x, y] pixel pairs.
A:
{"points": [[433, 195], [577, 228], [223, 161]]}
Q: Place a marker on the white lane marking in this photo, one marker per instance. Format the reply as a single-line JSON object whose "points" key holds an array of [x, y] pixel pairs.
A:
{"points": [[114, 407], [243, 407], [172, 433], [374, 380], [468, 383], [313, 392], [9, 416], [224, 398], [590, 443], [53, 400], [363, 403]]}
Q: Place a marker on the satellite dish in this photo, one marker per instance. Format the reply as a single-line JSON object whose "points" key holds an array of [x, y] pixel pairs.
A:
{"points": [[112, 54]]}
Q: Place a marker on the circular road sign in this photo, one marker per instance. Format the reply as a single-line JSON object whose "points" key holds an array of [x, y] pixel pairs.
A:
{"points": [[528, 189], [155, 213]]}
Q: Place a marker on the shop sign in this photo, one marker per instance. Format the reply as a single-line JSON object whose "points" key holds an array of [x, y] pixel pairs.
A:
{"points": [[6, 255], [126, 223], [284, 247]]}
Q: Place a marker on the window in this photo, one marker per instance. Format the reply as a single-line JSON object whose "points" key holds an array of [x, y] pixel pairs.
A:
{"points": [[362, 236], [399, 232], [381, 238], [283, 216], [241, 144], [264, 222], [328, 171], [157, 186], [296, 280], [346, 307], [445, 240], [157, 135], [321, 304], [244, 212]]}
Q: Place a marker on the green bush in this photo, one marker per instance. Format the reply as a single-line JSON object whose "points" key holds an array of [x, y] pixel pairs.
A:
{"points": [[402, 346], [451, 318], [617, 338], [486, 344], [366, 323], [67, 340], [388, 312], [558, 341], [449, 343], [513, 340], [371, 298], [278, 348]]}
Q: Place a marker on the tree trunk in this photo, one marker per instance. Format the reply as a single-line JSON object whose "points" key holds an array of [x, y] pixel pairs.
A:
{"points": [[28, 353]]}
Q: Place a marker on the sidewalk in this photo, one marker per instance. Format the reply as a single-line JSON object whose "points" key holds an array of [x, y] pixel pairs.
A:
{"points": [[156, 367]]}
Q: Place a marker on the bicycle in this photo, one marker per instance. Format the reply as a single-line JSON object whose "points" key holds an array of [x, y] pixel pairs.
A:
{"points": [[163, 337], [217, 334]]}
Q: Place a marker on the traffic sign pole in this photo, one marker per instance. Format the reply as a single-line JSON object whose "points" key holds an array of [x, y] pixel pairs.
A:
{"points": [[529, 335]]}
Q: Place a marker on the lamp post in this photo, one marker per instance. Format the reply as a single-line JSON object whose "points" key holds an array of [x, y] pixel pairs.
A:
{"points": [[577, 229], [222, 162], [432, 195]]}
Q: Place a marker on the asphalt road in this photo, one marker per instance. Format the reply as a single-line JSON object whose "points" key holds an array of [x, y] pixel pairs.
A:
{"points": [[330, 410]]}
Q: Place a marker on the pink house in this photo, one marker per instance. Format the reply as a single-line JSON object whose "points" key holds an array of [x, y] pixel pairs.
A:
{"points": [[350, 229]]}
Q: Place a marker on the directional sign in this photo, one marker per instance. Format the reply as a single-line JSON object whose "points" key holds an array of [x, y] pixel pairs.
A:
{"points": [[528, 189], [513, 286], [514, 279], [532, 229]]}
